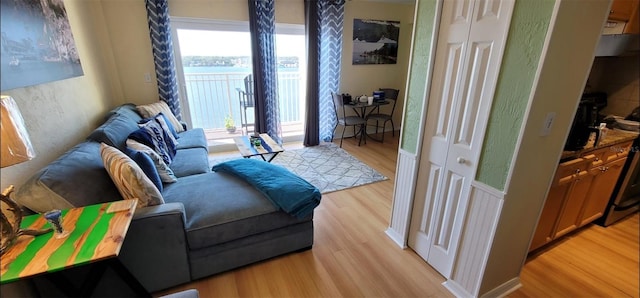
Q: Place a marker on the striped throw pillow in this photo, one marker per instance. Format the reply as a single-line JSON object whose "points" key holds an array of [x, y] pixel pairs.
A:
{"points": [[153, 109], [130, 180]]}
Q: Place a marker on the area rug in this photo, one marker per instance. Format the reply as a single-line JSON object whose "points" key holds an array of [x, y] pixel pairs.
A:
{"points": [[326, 166]]}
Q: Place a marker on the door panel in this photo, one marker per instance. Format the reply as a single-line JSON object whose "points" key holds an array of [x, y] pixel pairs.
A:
{"points": [[468, 53]]}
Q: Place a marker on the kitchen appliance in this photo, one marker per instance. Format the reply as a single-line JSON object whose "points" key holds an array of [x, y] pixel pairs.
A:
{"points": [[586, 121], [626, 195]]}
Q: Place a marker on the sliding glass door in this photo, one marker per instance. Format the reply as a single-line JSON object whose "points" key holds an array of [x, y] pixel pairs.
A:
{"points": [[214, 58]]}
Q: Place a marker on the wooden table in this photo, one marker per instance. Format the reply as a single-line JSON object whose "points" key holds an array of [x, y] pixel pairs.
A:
{"points": [[268, 147], [96, 234]]}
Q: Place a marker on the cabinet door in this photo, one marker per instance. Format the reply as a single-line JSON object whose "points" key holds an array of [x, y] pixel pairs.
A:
{"points": [[621, 10], [572, 207], [605, 178], [550, 214]]}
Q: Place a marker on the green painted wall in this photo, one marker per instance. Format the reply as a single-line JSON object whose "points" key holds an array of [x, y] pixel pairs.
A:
{"points": [[418, 76], [526, 37], [522, 53]]}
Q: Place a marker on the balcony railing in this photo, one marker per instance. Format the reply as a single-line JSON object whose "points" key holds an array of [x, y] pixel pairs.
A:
{"points": [[213, 96]]}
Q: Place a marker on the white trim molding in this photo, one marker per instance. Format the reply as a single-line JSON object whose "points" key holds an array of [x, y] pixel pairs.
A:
{"points": [[403, 191]]}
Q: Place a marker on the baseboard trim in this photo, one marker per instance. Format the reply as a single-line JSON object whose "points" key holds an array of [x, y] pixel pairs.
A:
{"points": [[395, 237], [504, 289]]}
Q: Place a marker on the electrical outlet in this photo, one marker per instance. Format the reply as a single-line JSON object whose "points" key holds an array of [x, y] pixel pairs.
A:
{"points": [[147, 77]]}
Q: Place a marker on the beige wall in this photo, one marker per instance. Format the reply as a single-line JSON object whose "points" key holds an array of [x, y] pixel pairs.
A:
{"points": [[556, 89], [112, 38], [126, 21], [62, 113], [363, 79]]}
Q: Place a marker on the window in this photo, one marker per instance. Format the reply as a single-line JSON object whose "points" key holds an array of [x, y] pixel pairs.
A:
{"points": [[212, 60]]}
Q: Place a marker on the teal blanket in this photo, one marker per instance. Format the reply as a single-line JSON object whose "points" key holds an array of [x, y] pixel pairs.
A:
{"points": [[286, 190]]}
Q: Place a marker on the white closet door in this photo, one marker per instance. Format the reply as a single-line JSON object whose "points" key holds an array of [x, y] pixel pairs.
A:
{"points": [[468, 54]]}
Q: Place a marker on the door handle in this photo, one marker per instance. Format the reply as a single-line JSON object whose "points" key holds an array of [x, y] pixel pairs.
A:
{"points": [[461, 160]]}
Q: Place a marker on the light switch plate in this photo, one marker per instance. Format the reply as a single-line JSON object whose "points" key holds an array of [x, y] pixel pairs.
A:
{"points": [[547, 124]]}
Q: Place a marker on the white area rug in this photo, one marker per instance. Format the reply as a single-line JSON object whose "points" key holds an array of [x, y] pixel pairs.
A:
{"points": [[326, 166]]}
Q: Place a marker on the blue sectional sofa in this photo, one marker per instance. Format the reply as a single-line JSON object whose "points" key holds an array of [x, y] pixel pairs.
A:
{"points": [[210, 222]]}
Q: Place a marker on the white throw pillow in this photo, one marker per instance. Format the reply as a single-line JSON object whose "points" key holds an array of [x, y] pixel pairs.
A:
{"points": [[152, 109], [131, 181]]}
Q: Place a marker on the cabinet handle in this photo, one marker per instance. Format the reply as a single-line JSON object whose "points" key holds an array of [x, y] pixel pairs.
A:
{"points": [[461, 160]]}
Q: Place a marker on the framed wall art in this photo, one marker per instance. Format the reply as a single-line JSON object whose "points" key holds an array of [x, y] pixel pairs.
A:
{"points": [[375, 42], [37, 45]]}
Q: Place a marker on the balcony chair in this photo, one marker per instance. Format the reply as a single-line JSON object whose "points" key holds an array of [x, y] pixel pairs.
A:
{"points": [[389, 95], [345, 120], [247, 100]]}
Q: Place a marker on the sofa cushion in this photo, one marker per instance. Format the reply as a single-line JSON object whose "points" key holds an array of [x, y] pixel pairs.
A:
{"points": [[115, 131], [190, 161], [220, 207], [128, 110], [130, 180], [77, 178], [192, 138], [153, 109]]}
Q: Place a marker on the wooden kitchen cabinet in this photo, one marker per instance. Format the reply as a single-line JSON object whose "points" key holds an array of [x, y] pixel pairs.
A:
{"points": [[626, 11], [550, 214], [568, 179], [621, 10], [572, 207], [602, 185], [579, 192]]}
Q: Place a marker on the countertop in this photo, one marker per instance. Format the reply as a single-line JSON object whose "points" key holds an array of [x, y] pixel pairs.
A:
{"points": [[613, 136]]}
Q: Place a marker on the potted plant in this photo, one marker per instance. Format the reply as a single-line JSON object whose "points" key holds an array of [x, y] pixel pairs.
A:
{"points": [[229, 124]]}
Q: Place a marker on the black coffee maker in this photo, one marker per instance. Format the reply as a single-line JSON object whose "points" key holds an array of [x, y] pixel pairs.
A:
{"points": [[586, 120]]}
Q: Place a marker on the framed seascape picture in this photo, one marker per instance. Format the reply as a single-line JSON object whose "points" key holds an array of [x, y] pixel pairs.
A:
{"points": [[37, 44], [375, 42]]}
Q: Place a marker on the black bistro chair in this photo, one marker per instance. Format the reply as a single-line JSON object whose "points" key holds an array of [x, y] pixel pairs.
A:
{"points": [[345, 120], [380, 117], [247, 100]]}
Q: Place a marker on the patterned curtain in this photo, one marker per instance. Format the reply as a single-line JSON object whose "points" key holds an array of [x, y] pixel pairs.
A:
{"points": [[263, 52], [160, 29], [324, 20]]}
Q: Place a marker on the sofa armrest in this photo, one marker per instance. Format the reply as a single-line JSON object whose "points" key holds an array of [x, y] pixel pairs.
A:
{"points": [[160, 210], [155, 248]]}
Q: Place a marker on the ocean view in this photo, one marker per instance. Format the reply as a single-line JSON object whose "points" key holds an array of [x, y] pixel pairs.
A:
{"points": [[229, 69], [213, 95]]}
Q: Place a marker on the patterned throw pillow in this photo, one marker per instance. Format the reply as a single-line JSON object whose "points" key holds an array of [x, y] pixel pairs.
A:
{"points": [[131, 182], [169, 133], [150, 110], [165, 123], [152, 135], [165, 172]]}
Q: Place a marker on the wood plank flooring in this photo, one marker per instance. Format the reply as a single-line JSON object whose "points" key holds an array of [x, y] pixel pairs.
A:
{"points": [[353, 257], [592, 262]]}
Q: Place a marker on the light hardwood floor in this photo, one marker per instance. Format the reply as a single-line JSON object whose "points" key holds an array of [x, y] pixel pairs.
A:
{"points": [[353, 257], [592, 262]]}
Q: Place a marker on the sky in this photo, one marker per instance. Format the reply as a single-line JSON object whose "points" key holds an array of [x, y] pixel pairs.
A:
{"points": [[225, 43]]}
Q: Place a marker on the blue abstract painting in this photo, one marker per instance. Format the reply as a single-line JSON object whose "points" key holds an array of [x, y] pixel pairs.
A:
{"points": [[37, 45]]}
